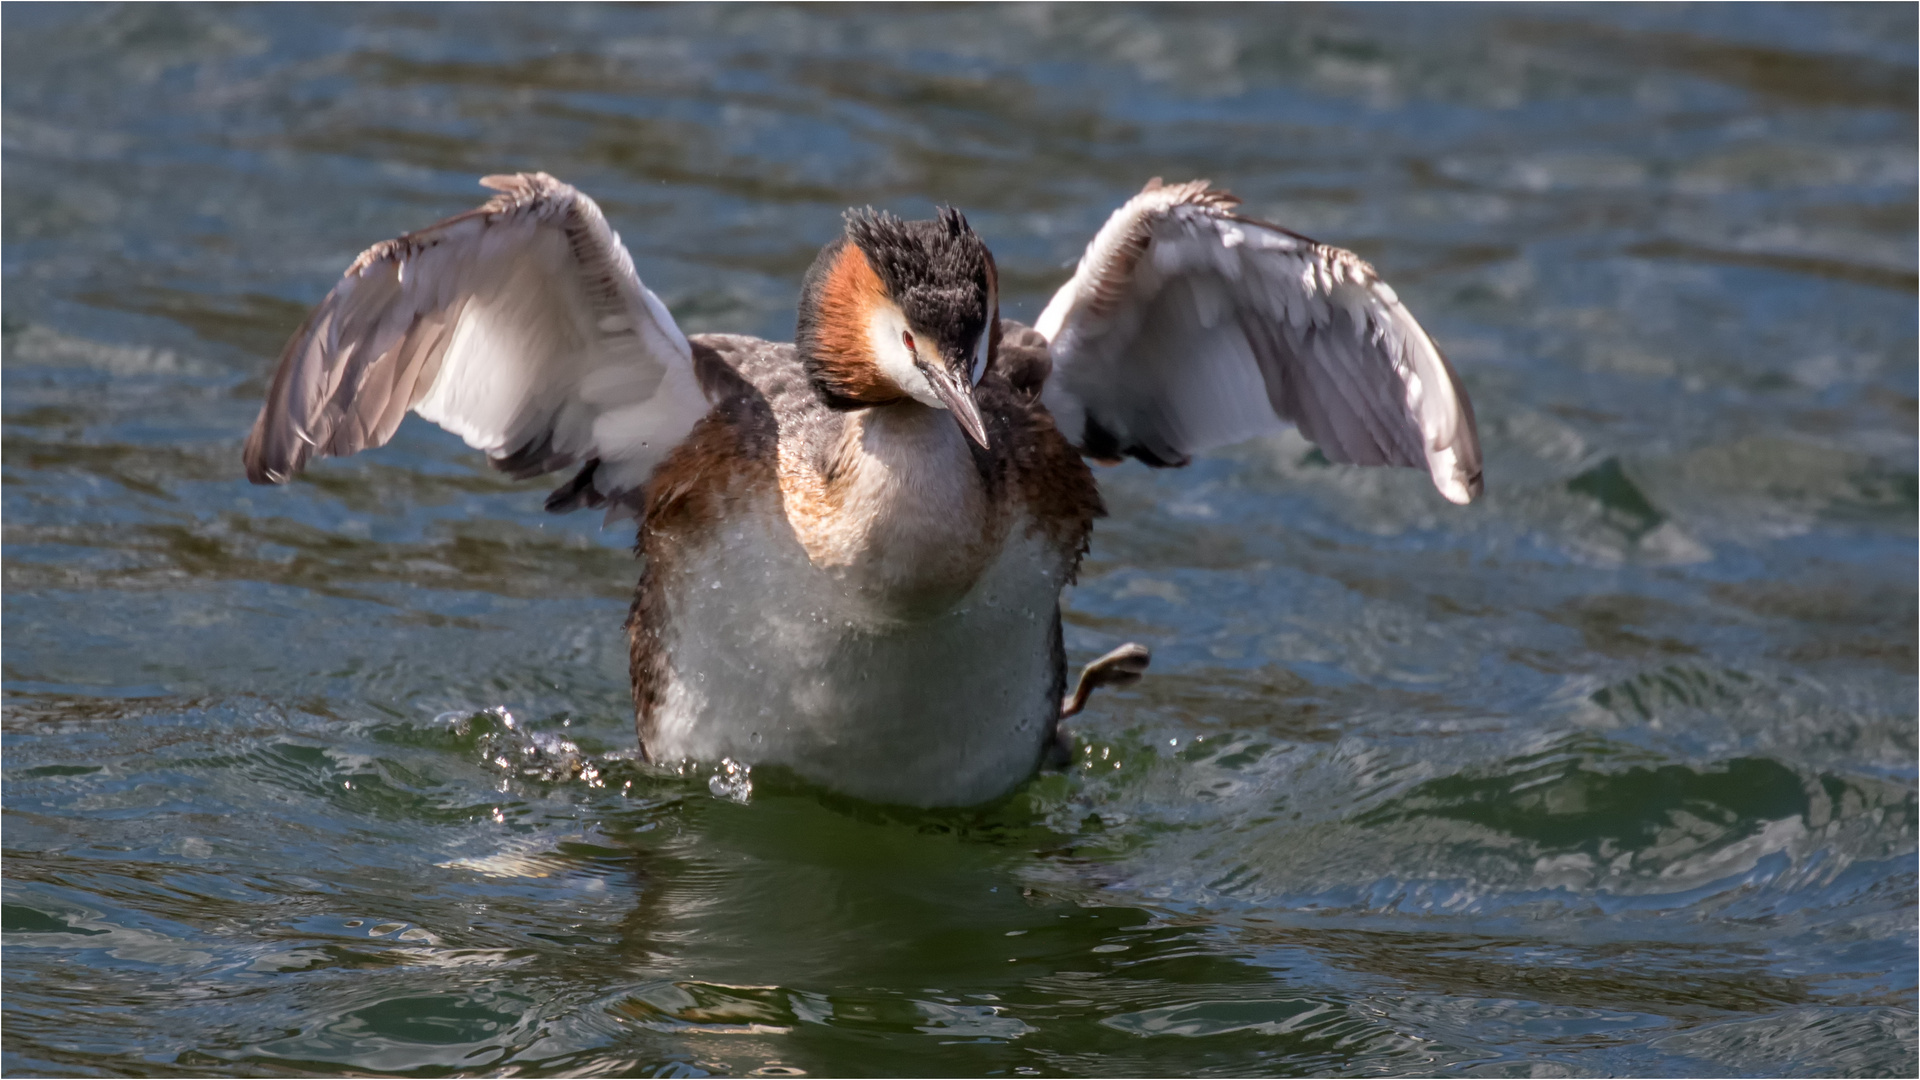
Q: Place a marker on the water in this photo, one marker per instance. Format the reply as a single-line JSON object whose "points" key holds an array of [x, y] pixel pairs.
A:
{"points": [[1613, 772]]}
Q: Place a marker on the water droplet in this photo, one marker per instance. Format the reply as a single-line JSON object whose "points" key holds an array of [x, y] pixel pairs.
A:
{"points": [[733, 781]]}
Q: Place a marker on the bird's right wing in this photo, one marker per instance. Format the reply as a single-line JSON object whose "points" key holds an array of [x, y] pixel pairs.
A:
{"points": [[519, 326], [1188, 326]]}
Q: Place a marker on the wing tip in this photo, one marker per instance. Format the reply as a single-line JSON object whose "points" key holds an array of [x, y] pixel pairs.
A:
{"points": [[1459, 492], [268, 471], [272, 460], [266, 464], [1460, 481], [258, 472]]}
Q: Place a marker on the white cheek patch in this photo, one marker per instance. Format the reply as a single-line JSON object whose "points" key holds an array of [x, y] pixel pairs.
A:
{"points": [[885, 330], [980, 355]]}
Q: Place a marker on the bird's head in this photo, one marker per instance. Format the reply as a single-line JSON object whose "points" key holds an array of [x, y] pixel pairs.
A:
{"points": [[902, 309]]}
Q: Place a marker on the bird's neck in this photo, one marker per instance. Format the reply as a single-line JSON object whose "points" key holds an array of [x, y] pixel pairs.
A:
{"points": [[897, 504]]}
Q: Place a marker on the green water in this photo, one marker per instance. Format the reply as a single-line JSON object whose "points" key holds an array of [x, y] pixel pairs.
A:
{"points": [[1611, 773]]}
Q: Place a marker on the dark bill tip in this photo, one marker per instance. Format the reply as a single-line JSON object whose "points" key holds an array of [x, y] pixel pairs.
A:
{"points": [[958, 399]]}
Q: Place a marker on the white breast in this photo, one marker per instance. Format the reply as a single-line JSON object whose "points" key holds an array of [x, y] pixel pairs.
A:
{"points": [[773, 660], [905, 520]]}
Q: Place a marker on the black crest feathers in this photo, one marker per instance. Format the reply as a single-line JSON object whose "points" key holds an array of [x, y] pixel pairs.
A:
{"points": [[935, 270]]}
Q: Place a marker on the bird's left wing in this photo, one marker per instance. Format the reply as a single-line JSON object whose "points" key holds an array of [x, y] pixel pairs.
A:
{"points": [[1187, 326], [519, 326]]}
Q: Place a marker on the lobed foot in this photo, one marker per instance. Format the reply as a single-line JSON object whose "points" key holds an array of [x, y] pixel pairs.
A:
{"points": [[1120, 667]]}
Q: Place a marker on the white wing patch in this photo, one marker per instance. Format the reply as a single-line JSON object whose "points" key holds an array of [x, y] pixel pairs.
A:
{"points": [[1187, 327], [519, 326]]}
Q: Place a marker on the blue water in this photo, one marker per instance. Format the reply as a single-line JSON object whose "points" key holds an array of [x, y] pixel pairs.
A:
{"points": [[1610, 773]]}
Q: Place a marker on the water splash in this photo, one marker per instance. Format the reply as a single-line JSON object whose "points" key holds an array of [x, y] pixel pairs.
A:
{"points": [[732, 780]]}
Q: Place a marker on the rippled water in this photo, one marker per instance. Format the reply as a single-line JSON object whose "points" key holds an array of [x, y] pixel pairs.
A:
{"points": [[1613, 772]]}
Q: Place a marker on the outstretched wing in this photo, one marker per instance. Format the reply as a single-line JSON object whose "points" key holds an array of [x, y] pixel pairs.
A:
{"points": [[1187, 326], [519, 326]]}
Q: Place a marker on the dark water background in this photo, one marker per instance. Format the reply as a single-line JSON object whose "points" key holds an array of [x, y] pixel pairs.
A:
{"points": [[1613, 772]]}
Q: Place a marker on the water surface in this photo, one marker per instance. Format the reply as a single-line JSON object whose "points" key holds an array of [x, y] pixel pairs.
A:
{"points": [[1612, 772]]}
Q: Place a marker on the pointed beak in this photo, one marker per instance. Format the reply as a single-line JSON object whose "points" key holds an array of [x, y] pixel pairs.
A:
{"points": [[957, 396]]}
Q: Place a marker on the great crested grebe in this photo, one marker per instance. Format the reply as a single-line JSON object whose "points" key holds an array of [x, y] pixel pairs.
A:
{"points": [[854, 545]]}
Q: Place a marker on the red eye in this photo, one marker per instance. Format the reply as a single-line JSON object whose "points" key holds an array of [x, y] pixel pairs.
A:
{"points": [[907, 339]]}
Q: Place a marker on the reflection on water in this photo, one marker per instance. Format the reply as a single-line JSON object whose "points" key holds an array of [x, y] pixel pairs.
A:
{"points": [[1610, 773]]}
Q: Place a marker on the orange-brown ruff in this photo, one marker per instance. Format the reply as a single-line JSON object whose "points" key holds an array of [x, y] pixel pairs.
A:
{"points": [[844, 357], [855, 545]]}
